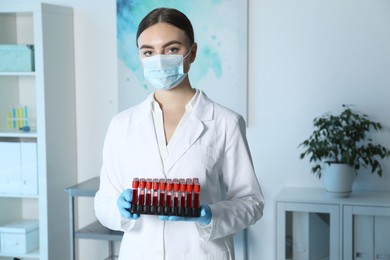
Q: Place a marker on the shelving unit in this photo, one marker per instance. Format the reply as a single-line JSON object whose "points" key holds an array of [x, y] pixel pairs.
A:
{"points": [[49, 94], [94, 230], [312, 225]]}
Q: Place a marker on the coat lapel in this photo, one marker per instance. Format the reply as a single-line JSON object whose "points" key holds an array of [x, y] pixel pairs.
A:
{"points": [[147, 135], [191, 130]]}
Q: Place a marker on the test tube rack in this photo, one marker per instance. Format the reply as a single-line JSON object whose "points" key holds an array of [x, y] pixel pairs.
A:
{"points": [[169, 197], [17, 117]]}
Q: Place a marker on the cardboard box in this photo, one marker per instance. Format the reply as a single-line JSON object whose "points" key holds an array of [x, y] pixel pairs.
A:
{"points": [[16, 58], [20, 237]]}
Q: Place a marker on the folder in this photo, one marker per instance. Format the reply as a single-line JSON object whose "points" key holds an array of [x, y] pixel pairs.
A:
{"points": [[10, 170], [29, 168]]}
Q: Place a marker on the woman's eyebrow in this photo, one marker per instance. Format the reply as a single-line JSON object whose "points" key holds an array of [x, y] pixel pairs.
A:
{"points": [[145, 46], [172, 42]]}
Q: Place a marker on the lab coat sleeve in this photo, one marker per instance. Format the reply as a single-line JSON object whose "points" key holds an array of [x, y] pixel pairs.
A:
{"points": [[244, 199], [105, 201]]}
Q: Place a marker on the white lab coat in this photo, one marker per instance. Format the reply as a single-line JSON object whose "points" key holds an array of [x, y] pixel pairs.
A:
{"points": [[212, 146]]}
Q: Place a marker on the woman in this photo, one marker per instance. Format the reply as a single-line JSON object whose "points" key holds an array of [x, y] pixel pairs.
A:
{"points": [[177, 132]]}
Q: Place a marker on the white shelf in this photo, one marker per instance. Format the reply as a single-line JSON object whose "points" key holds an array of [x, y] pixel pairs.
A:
{"points": [[17, 74], [17, 134], [94, 230], [19, 196], [316, 195], [49, 94], [33, 254]]}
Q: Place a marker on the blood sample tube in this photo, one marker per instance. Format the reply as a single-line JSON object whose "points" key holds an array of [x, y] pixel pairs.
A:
{"points": [[148, 192], [196, 209], [141, 196], [134, 201], [153, 208], [161, 204], [190, 185], [176, 189], [168, 202], [183, 193]]}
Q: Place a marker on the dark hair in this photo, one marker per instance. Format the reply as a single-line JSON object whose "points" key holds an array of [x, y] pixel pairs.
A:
{"points": [[167, 15]]}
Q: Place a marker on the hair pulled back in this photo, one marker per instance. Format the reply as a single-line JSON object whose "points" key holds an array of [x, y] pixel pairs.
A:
{"points": [[170, 16]]}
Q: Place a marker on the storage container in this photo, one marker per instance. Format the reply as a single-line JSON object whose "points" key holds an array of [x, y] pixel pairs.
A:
{"points": [[18, 168], [10, 164], [16, 58], [19, 237]]}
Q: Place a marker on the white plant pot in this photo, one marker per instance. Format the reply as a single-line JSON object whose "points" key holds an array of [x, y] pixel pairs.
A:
{"points": [[338, 179]]}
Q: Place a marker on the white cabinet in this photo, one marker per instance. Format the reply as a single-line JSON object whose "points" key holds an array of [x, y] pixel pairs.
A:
{"points": [[367, 232], [311, 225], [36, 166]]}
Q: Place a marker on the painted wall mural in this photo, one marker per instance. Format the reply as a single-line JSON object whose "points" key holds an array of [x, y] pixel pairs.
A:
{"points": [[220, 69]]}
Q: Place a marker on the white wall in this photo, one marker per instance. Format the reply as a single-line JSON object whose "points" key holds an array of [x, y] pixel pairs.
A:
{"points": [[96, 96], [305, 58], [308, 57]]}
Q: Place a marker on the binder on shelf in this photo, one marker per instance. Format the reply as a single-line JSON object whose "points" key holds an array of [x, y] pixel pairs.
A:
{"points": [[29, 170], [10, 175], [18, 168]]}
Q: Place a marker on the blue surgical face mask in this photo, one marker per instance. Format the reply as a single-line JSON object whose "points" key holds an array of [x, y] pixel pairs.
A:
{"points": [[164, 71]]}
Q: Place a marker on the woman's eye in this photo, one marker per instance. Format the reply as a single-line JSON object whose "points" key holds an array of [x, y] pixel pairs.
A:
{"points": [[173, 50], [147, 53]]}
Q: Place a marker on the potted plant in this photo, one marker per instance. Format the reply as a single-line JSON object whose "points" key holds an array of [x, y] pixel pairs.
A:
{"points": [[340, 145]]}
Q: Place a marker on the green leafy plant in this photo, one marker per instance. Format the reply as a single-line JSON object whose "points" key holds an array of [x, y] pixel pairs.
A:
{"points": [[343, 139]]}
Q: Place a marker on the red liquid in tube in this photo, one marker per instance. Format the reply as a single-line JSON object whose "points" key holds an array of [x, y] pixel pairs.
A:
{"points": [[176, 189], [134, 201], [190, 186], [162, 192], [196, 197], [148, 192], [183, 189], [141, 200], [161, 203], [148, 197], [168, 189], [155, 192], [135, 191], [177, 197], [154, 206]]}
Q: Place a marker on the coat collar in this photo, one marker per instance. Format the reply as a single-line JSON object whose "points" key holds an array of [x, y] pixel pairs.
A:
{"points": [[203, 110], [203, 107]]}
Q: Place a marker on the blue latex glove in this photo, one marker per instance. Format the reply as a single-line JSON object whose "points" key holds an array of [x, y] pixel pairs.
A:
{"points": [[124, 204], [204, 218]]}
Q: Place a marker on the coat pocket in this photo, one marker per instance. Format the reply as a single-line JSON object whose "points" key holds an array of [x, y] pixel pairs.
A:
{"points": [[210, 157]]}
